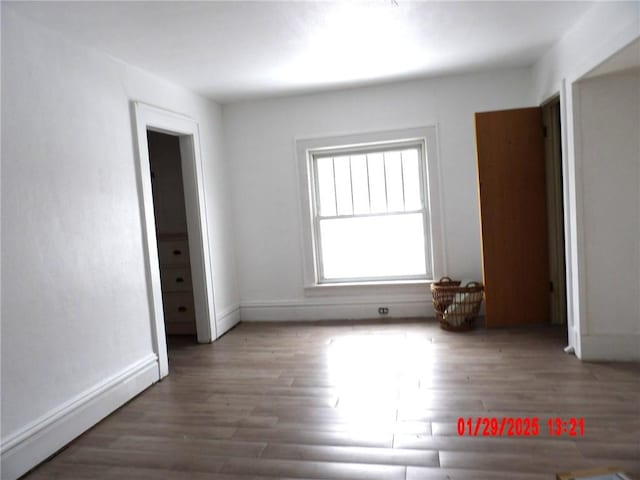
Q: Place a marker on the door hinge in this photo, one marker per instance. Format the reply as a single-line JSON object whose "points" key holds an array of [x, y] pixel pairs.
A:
{"points": [[544, 131], [551, 287]]}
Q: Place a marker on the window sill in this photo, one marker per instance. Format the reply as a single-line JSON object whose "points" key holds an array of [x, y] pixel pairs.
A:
{"points": [[397, 286]]}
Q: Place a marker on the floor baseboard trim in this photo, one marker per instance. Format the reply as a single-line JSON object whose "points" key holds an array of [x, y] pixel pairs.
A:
{"points": [[326, 310], [618, 348], [37, 441], [228, 319]]}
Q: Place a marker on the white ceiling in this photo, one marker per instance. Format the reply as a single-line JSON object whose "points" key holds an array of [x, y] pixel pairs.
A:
{"points": [[230, 51]]}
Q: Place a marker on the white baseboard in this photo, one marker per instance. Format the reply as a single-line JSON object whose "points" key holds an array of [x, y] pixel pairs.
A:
{"points": [[227, 319], [336, 308], [619, 348], [37, 441]]}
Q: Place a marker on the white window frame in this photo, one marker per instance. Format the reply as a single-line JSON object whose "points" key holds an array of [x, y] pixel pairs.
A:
{"points": [[426, 137]]}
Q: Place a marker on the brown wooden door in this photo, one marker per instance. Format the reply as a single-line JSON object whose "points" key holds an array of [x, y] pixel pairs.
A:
{"points": [[513, 216]]}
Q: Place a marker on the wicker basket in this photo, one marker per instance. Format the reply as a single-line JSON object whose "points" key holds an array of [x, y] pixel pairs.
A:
{"points": [[456, 307]]}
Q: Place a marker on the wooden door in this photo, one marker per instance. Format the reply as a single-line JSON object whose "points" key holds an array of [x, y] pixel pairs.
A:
{"points": [[513, 216]]}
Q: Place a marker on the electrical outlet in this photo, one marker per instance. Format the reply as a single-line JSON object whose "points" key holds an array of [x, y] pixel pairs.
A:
{"points": [[383, 310]]}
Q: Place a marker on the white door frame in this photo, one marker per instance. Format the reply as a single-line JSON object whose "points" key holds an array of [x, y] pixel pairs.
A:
{"points": [[147, 117]]}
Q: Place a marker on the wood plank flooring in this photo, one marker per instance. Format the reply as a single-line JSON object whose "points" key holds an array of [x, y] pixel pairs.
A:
{"points": [[363, 400]]}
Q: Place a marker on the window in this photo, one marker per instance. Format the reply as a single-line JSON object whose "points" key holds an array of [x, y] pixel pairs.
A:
{"points": [[369, 210]]}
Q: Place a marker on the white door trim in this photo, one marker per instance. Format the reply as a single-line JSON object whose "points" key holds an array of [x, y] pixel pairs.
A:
{"points": [[147, 117]]}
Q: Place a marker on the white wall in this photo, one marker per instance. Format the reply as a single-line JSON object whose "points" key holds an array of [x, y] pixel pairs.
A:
{"points": [[260, 141], [75, 314], [609, 146], [605, 29]]}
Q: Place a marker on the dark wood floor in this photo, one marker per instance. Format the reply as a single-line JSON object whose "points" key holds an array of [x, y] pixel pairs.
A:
{"points": [[363, 401]]}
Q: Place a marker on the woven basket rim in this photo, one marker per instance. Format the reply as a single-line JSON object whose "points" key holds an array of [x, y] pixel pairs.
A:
{"points": [[456, 288]]}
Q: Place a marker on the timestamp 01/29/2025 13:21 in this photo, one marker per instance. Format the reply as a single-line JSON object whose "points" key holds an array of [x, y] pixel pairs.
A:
{"points": [[520, 426]]}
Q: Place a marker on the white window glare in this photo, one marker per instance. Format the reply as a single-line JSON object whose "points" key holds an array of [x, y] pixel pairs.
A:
{"points": [[342, 179], [373, 247], [360, 184], [377, 186], [394, 181], [411, 179], [326, 187]]}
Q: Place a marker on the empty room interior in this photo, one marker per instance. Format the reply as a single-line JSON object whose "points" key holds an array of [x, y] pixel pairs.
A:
{"points": [[325, 240]]}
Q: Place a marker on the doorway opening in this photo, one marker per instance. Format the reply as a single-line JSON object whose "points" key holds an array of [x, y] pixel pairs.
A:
{"points": [[551, 120], [172, 234], [190, 251]]}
